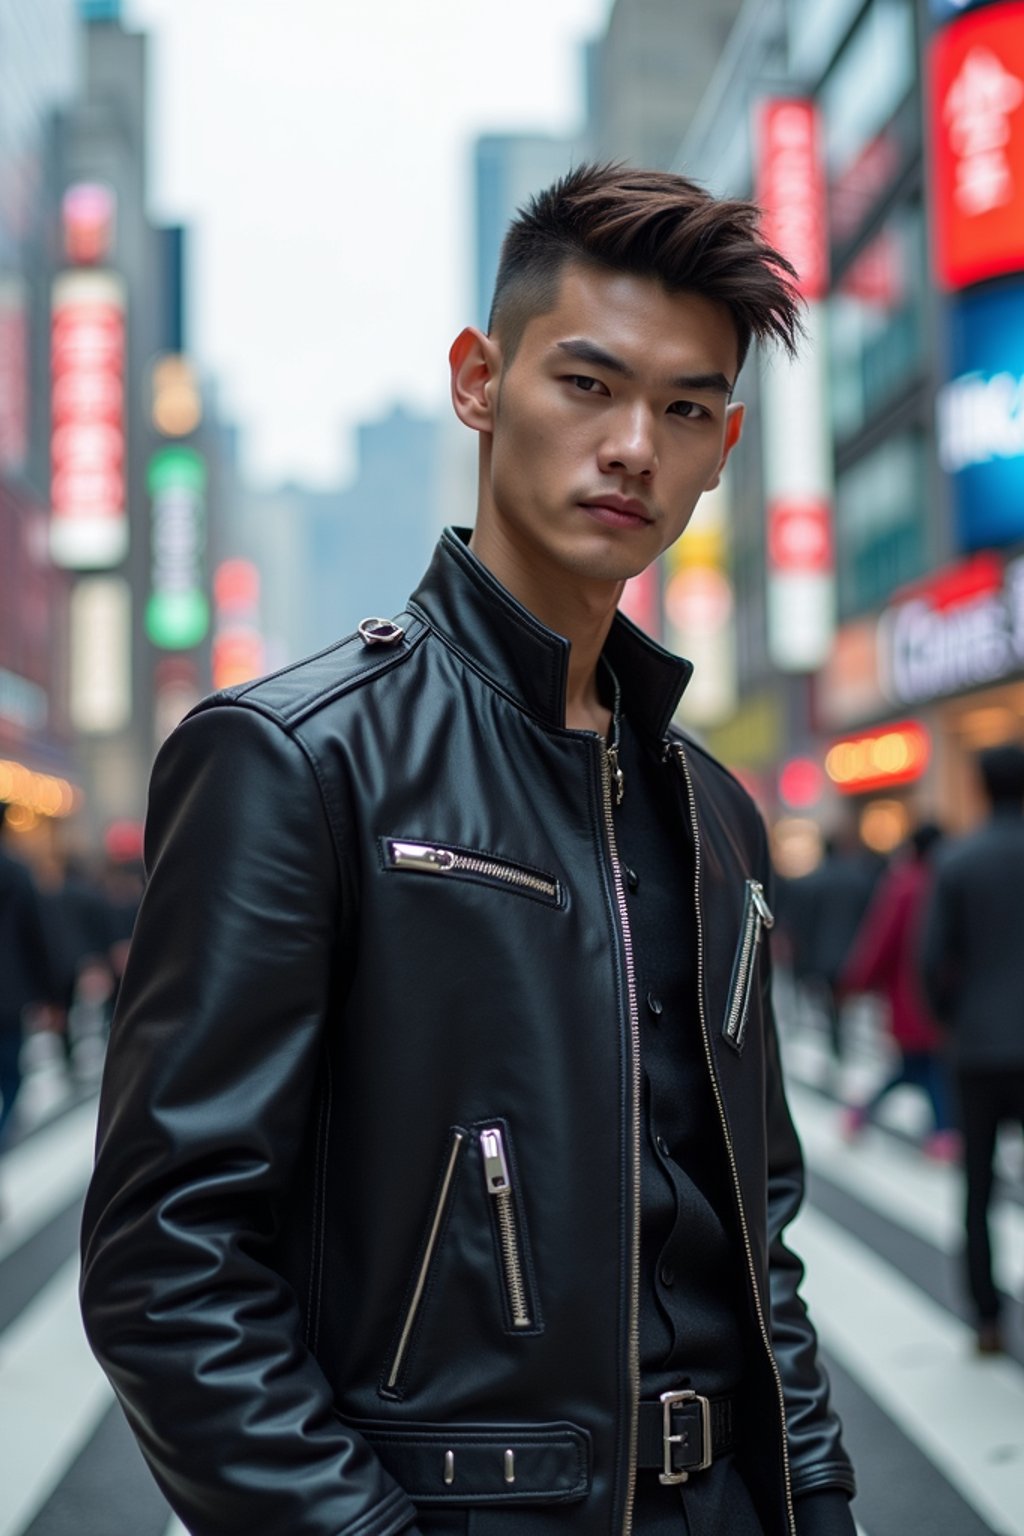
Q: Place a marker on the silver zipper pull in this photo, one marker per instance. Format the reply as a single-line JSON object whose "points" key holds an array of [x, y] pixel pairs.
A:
{"points": [[421, 856], [764, 911], [618, 777], [495, 1165]]}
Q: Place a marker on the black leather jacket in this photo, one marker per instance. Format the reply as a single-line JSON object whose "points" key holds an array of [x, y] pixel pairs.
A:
{"points": [[385, 915]]}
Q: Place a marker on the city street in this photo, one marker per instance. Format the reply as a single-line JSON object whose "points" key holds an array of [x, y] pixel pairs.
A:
{"points": [[941, 1431]]}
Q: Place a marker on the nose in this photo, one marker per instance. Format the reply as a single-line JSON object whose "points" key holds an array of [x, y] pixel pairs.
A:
{"points": [[629, 446]]}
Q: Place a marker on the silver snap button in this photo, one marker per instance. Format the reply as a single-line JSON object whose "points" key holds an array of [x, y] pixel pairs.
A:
{"points": [[380, 631]]}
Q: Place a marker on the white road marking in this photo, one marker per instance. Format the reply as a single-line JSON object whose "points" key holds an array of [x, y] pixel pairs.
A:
{"points": [[966, 1414], [42, 1175], [896, 1180], [52, 1396]]}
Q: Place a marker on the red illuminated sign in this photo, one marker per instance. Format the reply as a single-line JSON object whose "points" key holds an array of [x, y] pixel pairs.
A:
{"points": [[800, 534], [879, 759], [641, 600], [88, 213], [977, 131], [791, 189], [237, 653], [89, 528]]}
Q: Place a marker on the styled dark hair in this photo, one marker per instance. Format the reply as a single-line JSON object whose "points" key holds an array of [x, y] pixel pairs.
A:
{"points": [[651, 224], [1002, 773]]}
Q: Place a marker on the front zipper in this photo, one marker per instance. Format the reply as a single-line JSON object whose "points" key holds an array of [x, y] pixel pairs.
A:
{"points": [[634, 1032], [757, 916], [437, 859], [440, 1207], [710, 1060], [499, 1187]]}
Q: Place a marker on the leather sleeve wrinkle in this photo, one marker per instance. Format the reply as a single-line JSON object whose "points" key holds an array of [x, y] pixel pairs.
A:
{"points": [[206, 1102]]}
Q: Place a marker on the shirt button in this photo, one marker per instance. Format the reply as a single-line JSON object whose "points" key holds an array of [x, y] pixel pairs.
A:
{"points": [[655, 1005], [668, 1275], [662, 1145], [632, 879]]}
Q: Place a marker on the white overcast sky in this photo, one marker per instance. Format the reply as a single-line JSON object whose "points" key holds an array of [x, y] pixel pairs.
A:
{"points": [[320, 152]]}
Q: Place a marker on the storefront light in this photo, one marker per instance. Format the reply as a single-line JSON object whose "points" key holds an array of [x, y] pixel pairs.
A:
{"points": [[33, 794], [896, 754]]}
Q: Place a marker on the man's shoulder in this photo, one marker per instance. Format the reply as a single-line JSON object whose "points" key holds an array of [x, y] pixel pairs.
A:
{"points": [[297, 692]]}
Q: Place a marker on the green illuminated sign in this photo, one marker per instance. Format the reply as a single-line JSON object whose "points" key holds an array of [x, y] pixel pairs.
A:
{"points": [[177, 611]]}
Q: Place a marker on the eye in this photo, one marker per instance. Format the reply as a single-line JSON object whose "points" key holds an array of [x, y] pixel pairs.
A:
{"points": [[585, 383], [689, 410]]}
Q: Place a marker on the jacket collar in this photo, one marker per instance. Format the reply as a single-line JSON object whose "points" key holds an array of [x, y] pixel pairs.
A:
{"points": [[460, 598]]}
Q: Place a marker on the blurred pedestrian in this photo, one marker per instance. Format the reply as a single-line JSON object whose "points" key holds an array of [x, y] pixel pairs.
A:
{"points": [[80, 931], [972, 959], [454, 951], [823, 911], [24, 970], [885, 960]]}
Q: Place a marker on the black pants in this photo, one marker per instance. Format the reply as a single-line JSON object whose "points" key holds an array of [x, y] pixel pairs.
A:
{"points": [[987, 1100]]}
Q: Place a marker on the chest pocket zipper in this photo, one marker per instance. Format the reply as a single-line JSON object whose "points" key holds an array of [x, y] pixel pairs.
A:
{"points": [[453, 862], [757, 917]]}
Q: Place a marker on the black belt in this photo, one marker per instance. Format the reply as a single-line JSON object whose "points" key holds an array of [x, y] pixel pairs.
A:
{"points": [[683, 1432]]}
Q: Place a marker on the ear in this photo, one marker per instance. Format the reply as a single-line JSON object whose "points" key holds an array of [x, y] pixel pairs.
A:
{"points": [[734, 415], [475, 361]]}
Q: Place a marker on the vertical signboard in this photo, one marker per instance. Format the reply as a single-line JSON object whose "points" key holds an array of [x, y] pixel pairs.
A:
{"points": [[89, 524], [177, 612], [797, 464], [700, 611], [976, 89]]}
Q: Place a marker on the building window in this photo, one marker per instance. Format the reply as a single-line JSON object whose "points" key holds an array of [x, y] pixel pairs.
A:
{"points": [[867, 139], [881, 510], [877, 335]]}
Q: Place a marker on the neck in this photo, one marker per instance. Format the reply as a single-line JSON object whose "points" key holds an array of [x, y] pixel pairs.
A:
{"points": [[581, 611]]}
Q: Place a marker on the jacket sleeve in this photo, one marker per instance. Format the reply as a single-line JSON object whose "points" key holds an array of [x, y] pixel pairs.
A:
{"points": [[209, 1086], [818, 1460]]}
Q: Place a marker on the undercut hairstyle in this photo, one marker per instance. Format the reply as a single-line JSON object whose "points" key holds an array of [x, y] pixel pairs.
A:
{"points": [[649, 224]]}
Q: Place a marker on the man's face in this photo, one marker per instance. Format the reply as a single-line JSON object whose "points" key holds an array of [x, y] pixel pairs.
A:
{"points": [[611, 419]]}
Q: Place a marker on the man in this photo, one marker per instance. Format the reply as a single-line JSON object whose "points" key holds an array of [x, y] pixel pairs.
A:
{"points": [[443, 1131], [973, 972]]}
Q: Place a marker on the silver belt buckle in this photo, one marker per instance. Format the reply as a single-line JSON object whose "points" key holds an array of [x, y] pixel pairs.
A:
{"points": [[670, 1400]]}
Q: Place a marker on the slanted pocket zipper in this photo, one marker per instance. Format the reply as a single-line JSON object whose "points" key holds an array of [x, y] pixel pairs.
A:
{"points": [[412, 1308], [439, 859], [757, 916], [499, 1187]]}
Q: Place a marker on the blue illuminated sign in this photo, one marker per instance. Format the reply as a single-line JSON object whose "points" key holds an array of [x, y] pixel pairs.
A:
{"points": [[948, 10], [981, 417], [99, 10]]}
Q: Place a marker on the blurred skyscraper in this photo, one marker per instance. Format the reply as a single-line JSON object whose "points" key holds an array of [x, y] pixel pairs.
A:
{"points": [[647, 73], [508, 169]]}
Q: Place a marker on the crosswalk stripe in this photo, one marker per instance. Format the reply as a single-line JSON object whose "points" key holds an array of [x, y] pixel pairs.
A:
{"points": [[52, 1396], [894, 1179], [43, 1175], [906, 1351]]}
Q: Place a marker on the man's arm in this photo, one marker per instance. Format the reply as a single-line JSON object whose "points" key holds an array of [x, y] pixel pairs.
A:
{"points": [[821, 1471], [210, 1081], [939, 949]]}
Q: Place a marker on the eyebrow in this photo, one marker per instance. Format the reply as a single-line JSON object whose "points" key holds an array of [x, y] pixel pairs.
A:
{"points": [[589, 352]]}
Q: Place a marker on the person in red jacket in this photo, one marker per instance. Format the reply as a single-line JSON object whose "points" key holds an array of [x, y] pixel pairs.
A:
{"points": [[884, 960]]}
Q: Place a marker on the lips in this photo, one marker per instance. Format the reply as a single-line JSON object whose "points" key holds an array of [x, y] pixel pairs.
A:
{"points": [[617, 511]]}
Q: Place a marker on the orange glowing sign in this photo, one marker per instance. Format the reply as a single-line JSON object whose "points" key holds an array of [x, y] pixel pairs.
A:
{"points": [[879, 759]]}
